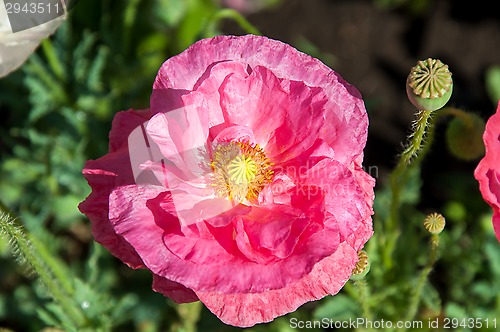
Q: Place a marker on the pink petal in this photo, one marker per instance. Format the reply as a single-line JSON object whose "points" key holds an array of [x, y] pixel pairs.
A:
{"points": [[179, 131], [166, 100], [496, 224], [123, 124], [172, 177], [103, 175], [205, 91], [173, 290], [247, 309], [303, 123], [198, 263], [488, 171], [345, 107], [277, 192], [492, 196], [181, 136], [231, 133], [257, 102], [282, 230], [345, 201]]}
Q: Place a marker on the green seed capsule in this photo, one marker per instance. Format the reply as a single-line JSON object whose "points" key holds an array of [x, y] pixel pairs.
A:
{"points": [[429, 85], [434, 223], [362, 266]]}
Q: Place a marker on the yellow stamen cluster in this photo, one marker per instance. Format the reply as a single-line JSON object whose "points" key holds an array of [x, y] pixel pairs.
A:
{"points": [[240, 170]]}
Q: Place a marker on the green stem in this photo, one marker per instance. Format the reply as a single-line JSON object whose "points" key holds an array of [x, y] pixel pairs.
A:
{"points": [[26, 252], [189, 314], [415, 299], [458, 113], [363, 298], [399, 176], [431, 129], [58, 268], [228, 13], [401, 170]]}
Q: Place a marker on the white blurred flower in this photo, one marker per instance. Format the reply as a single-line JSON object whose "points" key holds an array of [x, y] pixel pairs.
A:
{"points": [[16, 47]]}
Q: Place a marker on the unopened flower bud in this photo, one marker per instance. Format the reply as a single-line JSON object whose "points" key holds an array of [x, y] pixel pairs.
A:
{"points": [[465, 136], [362, 266], [434, 223], [429, 85]]}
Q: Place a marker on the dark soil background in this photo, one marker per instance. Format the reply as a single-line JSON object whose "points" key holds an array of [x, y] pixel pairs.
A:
{"points": [[374, 48]]}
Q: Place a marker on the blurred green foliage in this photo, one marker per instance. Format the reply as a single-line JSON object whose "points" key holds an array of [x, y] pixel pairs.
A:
{"points": [[492, 78], [57, 113], [414, 7]]}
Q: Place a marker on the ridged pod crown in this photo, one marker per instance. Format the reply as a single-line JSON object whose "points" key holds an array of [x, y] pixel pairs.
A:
{"points": [[362, 266], [434, 223], [429, 85]]}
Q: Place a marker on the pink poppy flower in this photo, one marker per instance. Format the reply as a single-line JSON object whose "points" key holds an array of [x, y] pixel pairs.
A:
{"points": [[488, 170], [242, 185]]}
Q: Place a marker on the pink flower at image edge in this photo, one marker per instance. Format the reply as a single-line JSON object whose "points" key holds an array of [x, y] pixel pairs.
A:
{"points": [[273, 213], [488, 170]]}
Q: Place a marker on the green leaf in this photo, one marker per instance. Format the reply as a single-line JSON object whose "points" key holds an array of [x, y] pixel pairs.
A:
{"points": [[454, 310], [484, 290], [95, 304], [65, 207], [492, 251], [191, 26], [94, 80], [410, 194], [338, 307], [121, 311], [170, 12], [430, 297], [48, 317]]}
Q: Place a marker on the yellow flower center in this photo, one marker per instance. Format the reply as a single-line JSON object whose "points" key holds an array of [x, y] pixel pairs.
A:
{"points": [[240, 170]]}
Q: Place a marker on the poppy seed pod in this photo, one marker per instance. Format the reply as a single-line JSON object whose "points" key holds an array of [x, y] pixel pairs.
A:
{"points": [[434, 223], [429, 85], [362, 266]]}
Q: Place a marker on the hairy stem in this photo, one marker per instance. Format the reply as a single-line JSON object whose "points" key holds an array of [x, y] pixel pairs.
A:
{"points": [[363, 298], [411, 157], [27, 253], [415, 299], [416, 141]]}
